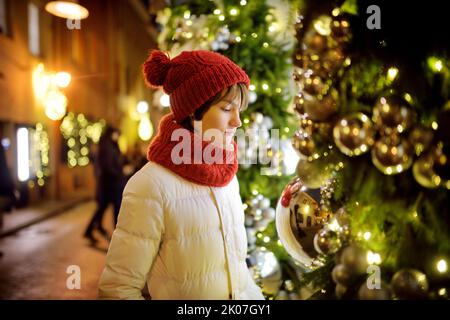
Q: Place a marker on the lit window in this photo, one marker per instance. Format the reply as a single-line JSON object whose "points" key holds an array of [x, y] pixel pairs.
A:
{"points": [[33, 29], [23, 166]]}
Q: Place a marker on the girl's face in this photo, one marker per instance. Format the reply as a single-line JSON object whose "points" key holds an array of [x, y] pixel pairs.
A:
{"points": [[220, 122]]}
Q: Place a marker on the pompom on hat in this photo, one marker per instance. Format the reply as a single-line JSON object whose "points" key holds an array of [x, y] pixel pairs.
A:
{"points": [[191, 78]]}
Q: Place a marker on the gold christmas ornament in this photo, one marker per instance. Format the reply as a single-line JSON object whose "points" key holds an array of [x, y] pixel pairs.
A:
{"points": [[423, 171], [420, 138], [313, 85], [327, 241], [322, 25], [392, 155], [303, 142], [333, 59], [298, 218], [340, 290], [354, 134], [314, 41], [310, 61], [391, 114], [320, 108], [340, 29], [409, 284], [366, 293], [355, 259], [342, 275]]}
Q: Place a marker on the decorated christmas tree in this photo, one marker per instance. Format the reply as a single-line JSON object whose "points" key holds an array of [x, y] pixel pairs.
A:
{"points": [[367, 214]]}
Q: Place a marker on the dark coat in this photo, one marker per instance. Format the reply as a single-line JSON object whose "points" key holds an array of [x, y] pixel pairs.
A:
{"points": [[109, 163], [6, 183]]}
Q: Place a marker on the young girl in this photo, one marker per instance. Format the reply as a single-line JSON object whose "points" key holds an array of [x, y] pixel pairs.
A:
{"points": [[181, 224]]}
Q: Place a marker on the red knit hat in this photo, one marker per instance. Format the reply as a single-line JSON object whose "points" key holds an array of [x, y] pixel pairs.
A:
{"points": [[191, 78]]}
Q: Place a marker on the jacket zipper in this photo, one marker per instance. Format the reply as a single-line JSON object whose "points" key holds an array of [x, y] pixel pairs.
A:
{"points": [[230, 287]]}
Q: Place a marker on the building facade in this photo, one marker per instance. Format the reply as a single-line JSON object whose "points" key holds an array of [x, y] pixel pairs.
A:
{"points": [[51, 159]]}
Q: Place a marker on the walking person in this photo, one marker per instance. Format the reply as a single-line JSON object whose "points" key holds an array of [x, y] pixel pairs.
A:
{"points": [[108, 169], [181, 226]]}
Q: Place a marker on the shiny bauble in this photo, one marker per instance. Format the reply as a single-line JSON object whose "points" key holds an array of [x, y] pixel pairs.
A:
{"points": [[322, 25], [383, 293], [310, 62], [298, 218], [327, 241], [355, 259], [313, 85], [255, 213], [340, 29], [268, 269], [424, 173], [392, 155], [263, 202], [251, 237], [303, 143], [354, 134], [340, 290], [314, 41], [320, 108], [420, 138], [410, 284], [333, 60], [342, 275], [268, 214], [392, 114], [261, 225]]}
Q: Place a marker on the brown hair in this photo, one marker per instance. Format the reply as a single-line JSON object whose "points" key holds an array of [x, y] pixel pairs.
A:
{"points": [[229, 92]]}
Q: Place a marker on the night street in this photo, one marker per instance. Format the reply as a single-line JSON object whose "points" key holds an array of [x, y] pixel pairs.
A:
{"points": [[35, 259]]}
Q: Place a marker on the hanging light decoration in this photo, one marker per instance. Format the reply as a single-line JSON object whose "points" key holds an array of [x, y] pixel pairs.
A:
{"points": [[67, 9], [145, 129], [55, 104]]}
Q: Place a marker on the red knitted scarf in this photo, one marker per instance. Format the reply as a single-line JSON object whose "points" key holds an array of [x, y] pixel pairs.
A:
{"points": [[194, 166]]}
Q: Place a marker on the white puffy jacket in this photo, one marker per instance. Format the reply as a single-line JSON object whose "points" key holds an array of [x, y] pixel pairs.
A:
{"points": [[187, 241]]}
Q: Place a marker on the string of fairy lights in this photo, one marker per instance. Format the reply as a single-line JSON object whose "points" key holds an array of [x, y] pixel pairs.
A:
{"points": [[78, 133]]}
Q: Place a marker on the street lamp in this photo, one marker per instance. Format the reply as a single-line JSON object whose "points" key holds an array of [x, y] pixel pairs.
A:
{"points": [[67, 10]]}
